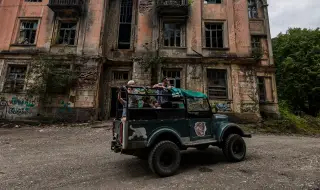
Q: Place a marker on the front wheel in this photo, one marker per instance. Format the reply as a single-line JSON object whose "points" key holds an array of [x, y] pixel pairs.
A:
{"points": [[234, 148], [164, 158]]}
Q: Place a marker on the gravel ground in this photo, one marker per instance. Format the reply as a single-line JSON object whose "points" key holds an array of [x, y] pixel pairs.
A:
{"points": [[80, 158]]}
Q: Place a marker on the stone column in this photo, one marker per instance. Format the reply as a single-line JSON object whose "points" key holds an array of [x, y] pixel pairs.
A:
{"points": [[236, 99], [267, 28]]}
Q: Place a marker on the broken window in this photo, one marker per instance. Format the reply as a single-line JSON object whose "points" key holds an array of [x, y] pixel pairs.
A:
{"points": [[252, 9], [261, 89], [173, 76], [255, 42], [214, 1], [124, 38], [120, 75], [28, 31], [172, 35], [217, 83], [15, 78], [67, 33], [214, 35]]}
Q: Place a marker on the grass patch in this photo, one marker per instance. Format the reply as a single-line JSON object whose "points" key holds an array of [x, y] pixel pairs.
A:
{"points": [[288, 124]]}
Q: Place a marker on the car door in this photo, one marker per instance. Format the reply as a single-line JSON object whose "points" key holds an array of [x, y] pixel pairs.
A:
{"points": [[200, 119]]}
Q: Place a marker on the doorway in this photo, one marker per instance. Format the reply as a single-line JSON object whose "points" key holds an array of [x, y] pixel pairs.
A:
{"points": [[114, 99]]}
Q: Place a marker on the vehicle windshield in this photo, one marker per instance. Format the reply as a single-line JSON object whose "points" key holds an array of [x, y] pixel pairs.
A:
{"points": [[197, 104]]}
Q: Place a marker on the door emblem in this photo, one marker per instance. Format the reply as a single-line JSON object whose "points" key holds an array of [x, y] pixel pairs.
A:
{"points": [[200, 128]]}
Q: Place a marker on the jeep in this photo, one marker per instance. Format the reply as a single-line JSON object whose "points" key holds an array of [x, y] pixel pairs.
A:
{"points": [[159, 134]]}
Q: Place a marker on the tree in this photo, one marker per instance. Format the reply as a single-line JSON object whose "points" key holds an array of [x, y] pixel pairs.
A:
{"points": [[297, 58]]}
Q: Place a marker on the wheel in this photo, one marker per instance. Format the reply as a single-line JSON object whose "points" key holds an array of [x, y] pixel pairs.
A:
{"points": [[164, 158], [234, 148], [202, 147]]}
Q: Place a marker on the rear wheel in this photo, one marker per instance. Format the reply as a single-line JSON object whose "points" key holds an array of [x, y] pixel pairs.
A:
{"points": [[164, 158], [234, 148]]}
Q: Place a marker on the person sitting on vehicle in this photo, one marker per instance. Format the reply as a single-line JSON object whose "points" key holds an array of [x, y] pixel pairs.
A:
{"points": [[147, 102], [164, 89], [156, 104]]}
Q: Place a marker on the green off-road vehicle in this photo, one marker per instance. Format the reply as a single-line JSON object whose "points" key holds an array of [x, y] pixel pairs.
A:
{"points": [[158, 134]]}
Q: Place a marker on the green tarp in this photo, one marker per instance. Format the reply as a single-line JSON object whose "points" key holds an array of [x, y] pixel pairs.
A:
{"points": [[187, 93]]}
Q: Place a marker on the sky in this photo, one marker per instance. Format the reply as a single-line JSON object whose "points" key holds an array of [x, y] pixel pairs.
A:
{"points": [[293, 13]]}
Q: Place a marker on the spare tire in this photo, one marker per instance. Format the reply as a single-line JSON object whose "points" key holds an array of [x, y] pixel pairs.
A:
{"points": [[164, 158]]}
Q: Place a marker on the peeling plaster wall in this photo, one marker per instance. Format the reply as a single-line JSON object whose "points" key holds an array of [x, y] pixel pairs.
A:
{"points": [[241, 24], [89, 29], [81, 103]]}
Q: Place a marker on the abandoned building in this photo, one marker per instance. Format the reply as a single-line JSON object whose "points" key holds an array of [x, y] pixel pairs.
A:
{"points": [[219, 47]]}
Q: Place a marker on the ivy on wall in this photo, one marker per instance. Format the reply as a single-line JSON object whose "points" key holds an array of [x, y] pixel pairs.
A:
{"points": [[48, 76]]}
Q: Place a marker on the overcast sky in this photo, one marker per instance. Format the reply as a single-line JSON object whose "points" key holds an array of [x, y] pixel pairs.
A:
{"points": [[293, 13]]}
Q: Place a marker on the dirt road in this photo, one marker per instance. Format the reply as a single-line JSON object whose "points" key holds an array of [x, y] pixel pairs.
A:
{"points": [[80, 158]]}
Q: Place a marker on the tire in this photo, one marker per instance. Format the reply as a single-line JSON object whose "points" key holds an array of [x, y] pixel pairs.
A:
{"points": [[164, 158], [202, 147], [234, 148]]}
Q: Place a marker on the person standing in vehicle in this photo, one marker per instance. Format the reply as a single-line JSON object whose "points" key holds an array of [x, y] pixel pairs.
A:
{"points": [[163, 88], [124, 106], [133, 99]]}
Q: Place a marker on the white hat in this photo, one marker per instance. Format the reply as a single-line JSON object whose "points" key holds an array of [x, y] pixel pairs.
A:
{"points": [[131, 82]]}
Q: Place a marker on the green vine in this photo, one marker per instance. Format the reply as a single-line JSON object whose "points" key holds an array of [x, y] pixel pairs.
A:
{"points": [[190, 2], [47, 77]]}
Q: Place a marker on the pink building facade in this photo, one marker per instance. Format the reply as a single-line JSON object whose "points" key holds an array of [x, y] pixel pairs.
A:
{"points": [[219, 47]]}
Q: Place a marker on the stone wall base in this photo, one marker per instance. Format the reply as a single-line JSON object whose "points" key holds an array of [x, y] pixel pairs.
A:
{"points": [[244, 118]]}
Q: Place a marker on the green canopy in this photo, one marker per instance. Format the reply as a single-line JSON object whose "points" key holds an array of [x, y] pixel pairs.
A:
{"points": [[187, 93]]}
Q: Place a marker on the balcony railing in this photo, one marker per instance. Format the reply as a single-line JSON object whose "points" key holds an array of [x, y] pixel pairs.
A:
{"points": [[66, 5], [173, 7]]}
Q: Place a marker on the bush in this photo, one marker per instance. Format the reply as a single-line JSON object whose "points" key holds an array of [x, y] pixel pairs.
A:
{"points": [[288, 124]]}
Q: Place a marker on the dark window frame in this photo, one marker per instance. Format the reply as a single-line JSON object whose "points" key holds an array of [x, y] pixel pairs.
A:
{"points": [[213, 32], [214, 1], [120, 75], [13, 78], [173, 75], [29, 33], [125, 22], [252, 9], [176, 32], [261, 84], [66, 30], [256, 42], [215, 84]]}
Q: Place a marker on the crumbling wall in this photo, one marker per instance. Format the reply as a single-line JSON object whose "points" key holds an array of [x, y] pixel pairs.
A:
{"points": [[248, 90], [79, 104]]}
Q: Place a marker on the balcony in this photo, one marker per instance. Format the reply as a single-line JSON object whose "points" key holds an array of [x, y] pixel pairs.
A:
{"points": [[173, 7], [58, 6]]}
